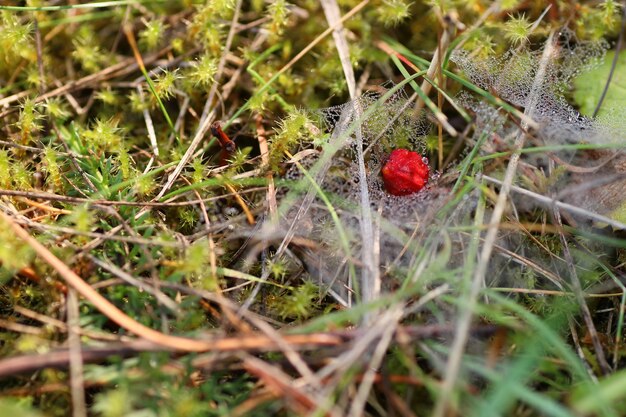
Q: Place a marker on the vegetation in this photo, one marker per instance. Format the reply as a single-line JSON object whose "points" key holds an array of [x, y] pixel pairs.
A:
{"points": [[193, 220]]}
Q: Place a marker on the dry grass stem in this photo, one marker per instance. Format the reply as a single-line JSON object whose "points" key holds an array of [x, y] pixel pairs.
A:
{"points": [[77, 384]]}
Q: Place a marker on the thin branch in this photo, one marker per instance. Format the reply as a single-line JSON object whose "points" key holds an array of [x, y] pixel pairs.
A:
{"points": [[116, 315], [29, 363], [358, 404], [580, 296], [77, 386], [125, 67], [547, 201], [39, 47], [95, 202], [138, 283]]}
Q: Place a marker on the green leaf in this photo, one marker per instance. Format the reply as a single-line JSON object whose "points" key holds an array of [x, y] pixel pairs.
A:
{"points": [[619, 213], [588, 87], [607, 397], [17, 407]]}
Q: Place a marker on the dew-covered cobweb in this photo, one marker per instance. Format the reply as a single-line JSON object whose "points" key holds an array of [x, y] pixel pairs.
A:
{"points": [[511, 76], [378, 122]]}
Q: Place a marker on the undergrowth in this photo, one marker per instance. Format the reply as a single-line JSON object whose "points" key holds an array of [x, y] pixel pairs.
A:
{"points": [[194, 221]]}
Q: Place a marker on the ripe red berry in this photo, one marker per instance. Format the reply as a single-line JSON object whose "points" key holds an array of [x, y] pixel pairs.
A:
{"points": [[405, 172]]}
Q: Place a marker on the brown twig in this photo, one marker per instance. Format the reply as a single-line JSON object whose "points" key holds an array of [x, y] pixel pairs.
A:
{"points": [[60, 358], [93, 354], [578, 292], [39, 48], [97, 202], [77, 386], [281, 385], [125, 67], [62, 326], [45, 207], [241, 202], [95, 235], [29, 273], [20, 328], [128, 323], [272, 206]]}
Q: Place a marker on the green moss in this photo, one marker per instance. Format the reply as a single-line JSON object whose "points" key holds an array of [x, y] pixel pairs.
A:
{"points": [[393, 12], [291, 131], [29, 122], [104, 135], [202, 72], [52, 167], [165, 83], [5, 169], [16, 41], [299, 303], [14, 253], [517, 29], [82, 219], [151, 36]]}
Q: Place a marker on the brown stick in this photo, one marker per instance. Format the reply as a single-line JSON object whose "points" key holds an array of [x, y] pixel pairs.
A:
{"points": [[182, 344], [127, 66]]}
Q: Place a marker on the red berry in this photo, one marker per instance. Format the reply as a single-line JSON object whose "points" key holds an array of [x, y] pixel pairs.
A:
{"points": [[405, 172]]}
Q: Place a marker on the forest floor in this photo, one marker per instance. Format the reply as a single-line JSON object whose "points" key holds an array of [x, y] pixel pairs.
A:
{"points": [[333, 208]]}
